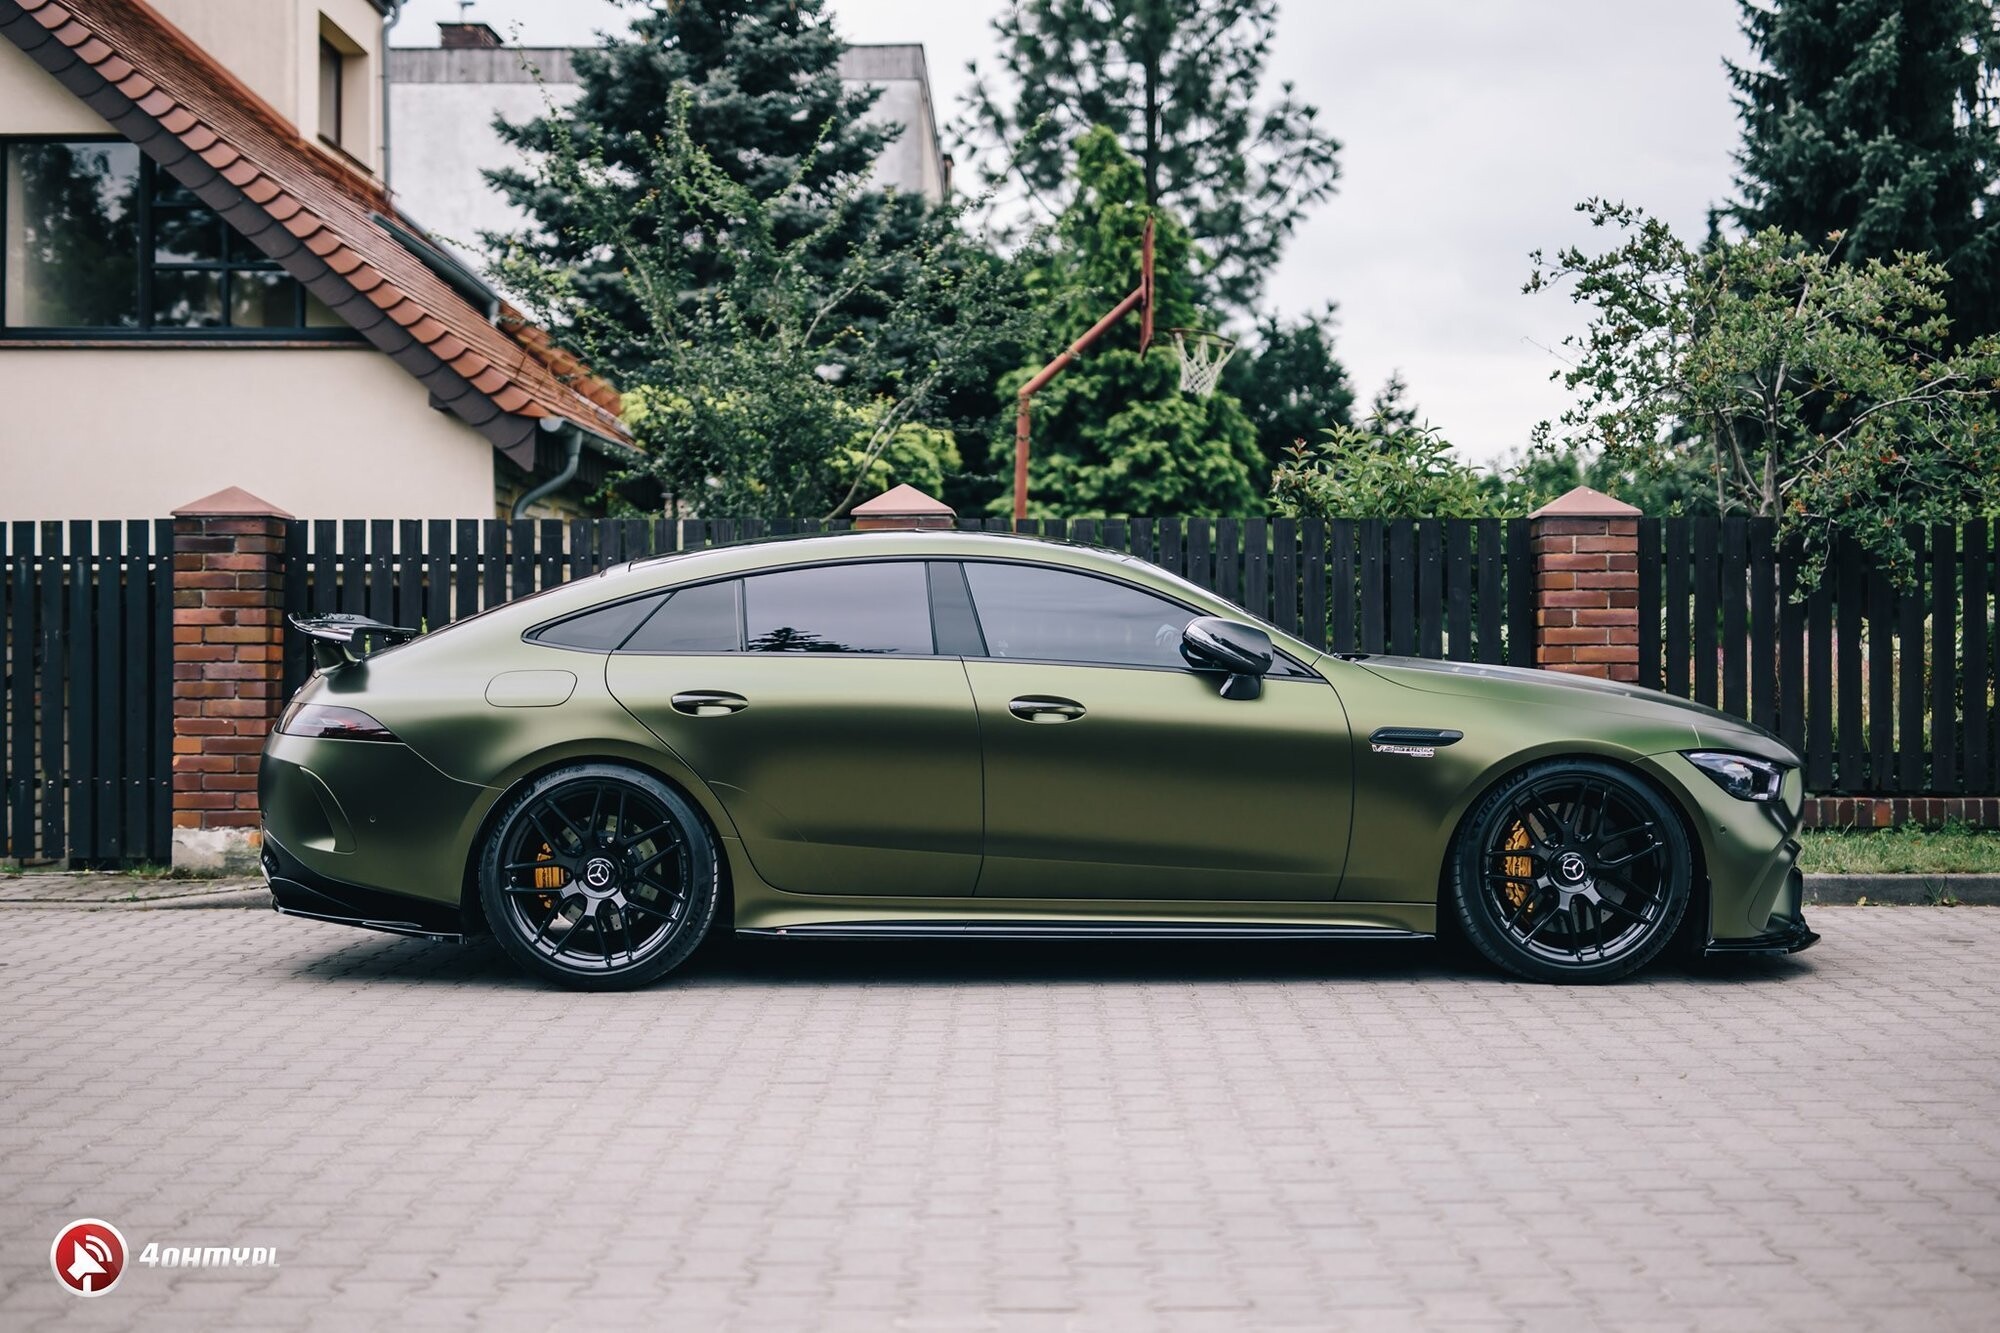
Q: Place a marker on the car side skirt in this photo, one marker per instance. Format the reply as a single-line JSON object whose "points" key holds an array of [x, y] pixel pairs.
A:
{"points": [[1080, 930]]}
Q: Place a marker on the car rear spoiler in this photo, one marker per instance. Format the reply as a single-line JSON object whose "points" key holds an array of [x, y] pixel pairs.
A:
{"points": [[340, 639]]}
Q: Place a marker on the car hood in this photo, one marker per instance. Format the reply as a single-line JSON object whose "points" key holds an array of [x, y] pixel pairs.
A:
{"points": [[1559, 689]]}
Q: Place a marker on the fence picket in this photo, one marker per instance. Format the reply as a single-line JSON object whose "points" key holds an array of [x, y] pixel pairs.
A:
{"points": [[1734, 591], [1430, 588], [1764, 686], [135, 769], [52, 687], [1680, 658], [81, 694], [1944, 661], [1458, 591], [1975, 659], [1313, 576], [110, 684], [1285, 575], [1848, 638]]}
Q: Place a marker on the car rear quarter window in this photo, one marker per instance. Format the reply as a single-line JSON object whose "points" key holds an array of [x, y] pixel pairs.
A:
{"points": [[1041, 614], [853, 608], [701, 619], [601, 630]]}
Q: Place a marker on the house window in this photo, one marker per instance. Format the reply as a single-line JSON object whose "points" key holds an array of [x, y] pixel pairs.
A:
{"points": [[332, 70], [99, 241]]}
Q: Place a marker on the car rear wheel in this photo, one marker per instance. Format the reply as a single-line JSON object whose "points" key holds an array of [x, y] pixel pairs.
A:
{"points": [[599, 877], [1571, 871]]}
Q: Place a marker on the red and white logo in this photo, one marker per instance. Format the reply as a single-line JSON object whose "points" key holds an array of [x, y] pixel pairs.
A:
{"points": [[88, 1256]]}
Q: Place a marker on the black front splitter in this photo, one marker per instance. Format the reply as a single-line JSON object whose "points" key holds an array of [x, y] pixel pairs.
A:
{"points": [[1791, 938]]}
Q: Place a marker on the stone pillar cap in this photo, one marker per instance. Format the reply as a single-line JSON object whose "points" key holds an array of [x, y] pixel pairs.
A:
{"points": [[231, 502], [902, 502], [1583, 502]]}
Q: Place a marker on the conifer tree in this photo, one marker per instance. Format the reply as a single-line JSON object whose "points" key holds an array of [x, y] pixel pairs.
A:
{"points": [[765, 104], [1178, 83], [1876, 119]]}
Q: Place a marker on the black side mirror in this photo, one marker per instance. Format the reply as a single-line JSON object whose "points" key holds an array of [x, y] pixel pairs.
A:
{"points": [[1241, 652]]}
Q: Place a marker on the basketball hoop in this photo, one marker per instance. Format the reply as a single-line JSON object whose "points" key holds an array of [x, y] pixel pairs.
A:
{"points": [[1203, 355]]}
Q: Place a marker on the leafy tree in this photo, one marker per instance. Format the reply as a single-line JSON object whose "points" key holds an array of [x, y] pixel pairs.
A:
{"points": [[760, 84], [756, 394], [1176, 81], [1290, 384], [1386, 467], [1112, 433], [1876, 119], [1822, 393], [1534, 477]]}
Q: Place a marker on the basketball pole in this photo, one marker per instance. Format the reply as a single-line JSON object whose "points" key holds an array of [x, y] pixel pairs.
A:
{"points": [[1140, 298]]}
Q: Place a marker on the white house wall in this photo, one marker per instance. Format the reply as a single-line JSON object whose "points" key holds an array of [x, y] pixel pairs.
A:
{"points": [[321, 432], [32, 102]]}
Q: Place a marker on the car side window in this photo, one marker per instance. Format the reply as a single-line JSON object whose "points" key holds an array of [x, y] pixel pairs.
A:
{"points": [[848, 608], [701, 619], [1053, 615]]}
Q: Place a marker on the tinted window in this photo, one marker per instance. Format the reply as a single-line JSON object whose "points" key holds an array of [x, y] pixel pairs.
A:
{"points": [[881, 608], [1051, 615], [76, 238], [694, 620], [602, 630]]}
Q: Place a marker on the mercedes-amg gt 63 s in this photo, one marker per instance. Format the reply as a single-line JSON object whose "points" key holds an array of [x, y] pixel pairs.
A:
{"points": [[953, 734]]}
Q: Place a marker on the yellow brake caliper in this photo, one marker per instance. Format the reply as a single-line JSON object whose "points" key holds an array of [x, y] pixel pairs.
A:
{"points": [[548, 875], [1521, 868]]}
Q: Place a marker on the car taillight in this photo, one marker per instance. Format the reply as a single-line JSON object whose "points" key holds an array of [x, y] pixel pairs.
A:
{"points": [[329, 722]]}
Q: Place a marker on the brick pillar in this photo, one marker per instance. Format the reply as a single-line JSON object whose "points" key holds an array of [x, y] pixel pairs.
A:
{"points": [[229, 595], [1587, 585]]}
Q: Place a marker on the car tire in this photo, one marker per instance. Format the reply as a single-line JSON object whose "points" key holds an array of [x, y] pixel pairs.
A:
{"points": [[599, 877], [1571, 871]]}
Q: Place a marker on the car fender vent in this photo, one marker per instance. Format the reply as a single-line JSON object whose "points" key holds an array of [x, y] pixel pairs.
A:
{"points": [[1433, 736]]}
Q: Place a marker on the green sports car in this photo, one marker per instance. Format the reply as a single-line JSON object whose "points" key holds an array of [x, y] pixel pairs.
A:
{"points": [[970, 734]]}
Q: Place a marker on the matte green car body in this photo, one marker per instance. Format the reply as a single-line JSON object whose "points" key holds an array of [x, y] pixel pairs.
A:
{"points": [[861, 791]]}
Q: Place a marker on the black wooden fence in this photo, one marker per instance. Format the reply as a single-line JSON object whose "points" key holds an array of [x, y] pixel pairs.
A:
{"points": [[1454, 588], [86, 697], [1883, 690]]}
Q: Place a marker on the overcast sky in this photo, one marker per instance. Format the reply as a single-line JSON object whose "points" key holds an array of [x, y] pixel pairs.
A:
{"points": [[1469, 130]]}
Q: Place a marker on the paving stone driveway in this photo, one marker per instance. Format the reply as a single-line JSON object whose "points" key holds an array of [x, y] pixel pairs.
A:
{"points": [[834, 1136]]}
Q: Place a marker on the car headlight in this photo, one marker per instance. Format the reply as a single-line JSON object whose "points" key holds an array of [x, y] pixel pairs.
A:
{"points": [[1743, 777]]}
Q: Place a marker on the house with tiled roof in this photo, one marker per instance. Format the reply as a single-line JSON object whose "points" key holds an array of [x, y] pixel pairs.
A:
{"points": [[205, 281]]}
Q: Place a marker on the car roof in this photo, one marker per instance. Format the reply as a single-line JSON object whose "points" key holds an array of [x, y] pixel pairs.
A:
{"points": [[652, 573]]}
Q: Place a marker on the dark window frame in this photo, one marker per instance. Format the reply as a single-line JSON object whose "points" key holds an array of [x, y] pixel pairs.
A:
{"points": [[153, 180], [338, 138], [1284, 665]]}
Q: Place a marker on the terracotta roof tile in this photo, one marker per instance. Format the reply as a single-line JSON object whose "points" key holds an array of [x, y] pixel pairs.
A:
{"points": [[176, 100]]}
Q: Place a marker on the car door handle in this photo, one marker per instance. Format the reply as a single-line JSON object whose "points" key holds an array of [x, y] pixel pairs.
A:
{"points": [[1045, 708], [709, 703]]}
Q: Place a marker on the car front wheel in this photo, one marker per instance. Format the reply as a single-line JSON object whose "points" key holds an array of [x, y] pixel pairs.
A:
{"points": [[1571, 871], [599, 877]]}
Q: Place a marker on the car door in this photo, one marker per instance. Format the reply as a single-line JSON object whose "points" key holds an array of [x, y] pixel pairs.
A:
{"points": [[814, 703], [1114, 771]]}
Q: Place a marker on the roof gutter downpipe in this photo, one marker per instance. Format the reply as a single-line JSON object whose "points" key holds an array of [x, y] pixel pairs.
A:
{"points": [[395, 13], [560, 479]]}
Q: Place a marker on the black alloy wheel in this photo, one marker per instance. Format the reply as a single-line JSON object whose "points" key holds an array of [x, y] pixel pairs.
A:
{"points": [[1572, 871], [599, 878]]}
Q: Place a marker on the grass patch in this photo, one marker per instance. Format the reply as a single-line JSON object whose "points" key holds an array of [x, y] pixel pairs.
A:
{"points": [[1955, 849]]}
